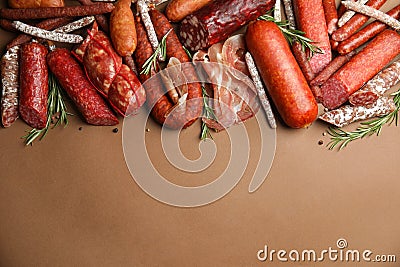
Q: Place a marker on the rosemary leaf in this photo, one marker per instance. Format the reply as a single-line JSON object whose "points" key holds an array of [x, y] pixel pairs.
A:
{"points": [[55, 106], [342, 138], [208, 113], [151, 62], [293, 35]]}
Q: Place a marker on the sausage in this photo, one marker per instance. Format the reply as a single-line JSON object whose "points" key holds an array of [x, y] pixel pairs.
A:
{"points": [[122, 28], [329, 70], [100, 19], [303, 61], [348, 114], [128, 60], [366, 33], [281, 74], [48, 24], [10, 86], [218, 20], [331, 15], [54, 12], [355, 23], [155, 96], [100, 60], [178, 9], [193, 105], [361, 68], [377, 86], [35, 3], [126, 94], [33, 85], [73, 79], [311, 20]]}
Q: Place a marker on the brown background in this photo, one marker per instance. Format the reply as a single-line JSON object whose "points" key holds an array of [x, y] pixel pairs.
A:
{"points": [[69, 200]]}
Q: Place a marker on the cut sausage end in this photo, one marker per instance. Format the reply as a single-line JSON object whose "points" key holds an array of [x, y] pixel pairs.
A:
{"points": [[334, 94]]}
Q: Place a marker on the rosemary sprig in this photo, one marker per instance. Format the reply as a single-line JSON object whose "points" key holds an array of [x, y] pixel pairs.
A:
{"points": [[151, 62], [293, 35], [55, 106], [368, 128], [208, 113], [187, 52]]}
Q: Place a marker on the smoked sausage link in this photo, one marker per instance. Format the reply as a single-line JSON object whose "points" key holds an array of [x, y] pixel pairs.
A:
{"points": [[178, 9], [73, 79], [218, 20], [34, 85], [281, 74], [311, 20], [361, 68]]}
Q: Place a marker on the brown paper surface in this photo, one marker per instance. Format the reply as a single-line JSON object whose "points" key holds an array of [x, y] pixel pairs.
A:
{"points": [[70, 200]]}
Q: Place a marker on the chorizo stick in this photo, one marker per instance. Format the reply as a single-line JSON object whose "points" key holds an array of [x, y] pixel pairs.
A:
{"points": [[122, 28], [331, 15], [218, 20], [54, 12], [366, 33], [178, 9], [33, 85], [361, 68], [281, 74], [73, 80], [355, 23], [175, 49], [311, 20], [303, 60], [155, 96]]}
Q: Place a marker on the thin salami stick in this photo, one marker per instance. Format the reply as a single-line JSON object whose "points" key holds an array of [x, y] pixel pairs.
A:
{"points": [[331, 15], [377, 86], [287, 4], [277, 11], [54, 12], [10, 86], [75, 25], [48, 24], [366, 33], [329, 70], [7, 25], [355, 23], [349, 13], [128, 60], [48, 35], [151, 33], [255, 76], [374, 13], [348, 114]]}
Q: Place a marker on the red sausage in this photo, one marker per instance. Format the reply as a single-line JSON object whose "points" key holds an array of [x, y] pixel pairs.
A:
{"points": [[355, 23], [178, 9], [33, 85], [155, 96], [218, 20], [281, 74], [311, 20], [303, 61], [72, 78], [366, 33], [361, 68], [193, 104], [331, 15], [101, 19]]}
